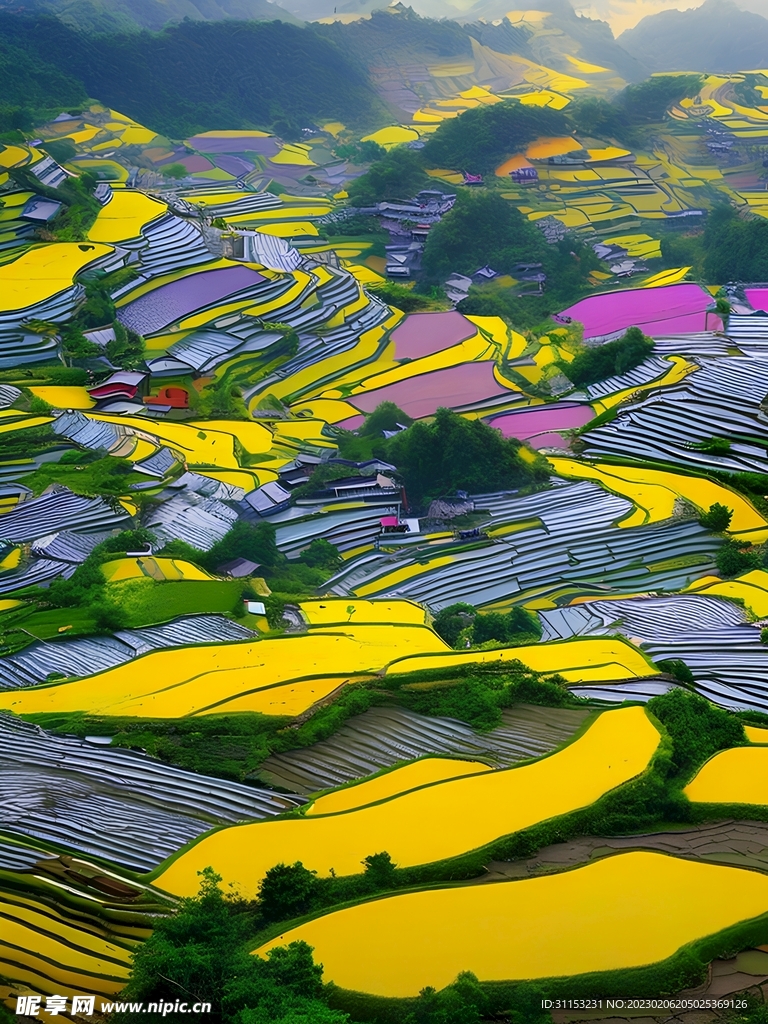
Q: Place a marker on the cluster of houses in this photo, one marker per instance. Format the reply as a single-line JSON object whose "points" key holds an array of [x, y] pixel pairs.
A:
{"points": [[408, 222], [529, 277]]}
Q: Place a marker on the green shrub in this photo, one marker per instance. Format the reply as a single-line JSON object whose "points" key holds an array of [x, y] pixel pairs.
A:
{"points": [[612, 358], [286, 891], [718, 518]]}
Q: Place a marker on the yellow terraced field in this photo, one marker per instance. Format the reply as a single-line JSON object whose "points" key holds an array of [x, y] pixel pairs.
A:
{"points": [[44, 951], [433, 823], [333, 611], [588, 659], [755, 734], [124, 216], [207, 444], [153, 568], [401, 780], [44, 271], [735, 776], [64, 397], [620, 912], [224, 677], [752, 589], [655, 492]]}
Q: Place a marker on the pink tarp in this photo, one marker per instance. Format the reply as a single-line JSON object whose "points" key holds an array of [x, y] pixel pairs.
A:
{"points": [[421, 396], [676, 309], [421, 334]]}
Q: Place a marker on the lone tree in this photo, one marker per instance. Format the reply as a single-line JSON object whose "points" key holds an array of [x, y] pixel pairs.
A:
{"points": [[286, 891], [718, 518]]}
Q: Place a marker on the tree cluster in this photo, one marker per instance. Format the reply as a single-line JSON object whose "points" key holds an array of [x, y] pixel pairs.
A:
{"points": [[479, 140], [610, 359], [161, 78], [482, 692], [453, 453], [735, 557], [482, 228], [637, 105], [201, 954], [717, 518], [735, 248], [398, 175], [126, 349], [460, 625]]}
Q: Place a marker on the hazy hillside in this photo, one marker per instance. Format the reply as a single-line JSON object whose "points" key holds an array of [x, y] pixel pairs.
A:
{"points": [[193, 77], [396, 37], [714, 37], [561, 33], [132, 15]]}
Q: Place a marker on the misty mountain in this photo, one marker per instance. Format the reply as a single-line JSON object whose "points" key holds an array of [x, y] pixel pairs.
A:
{"points": [[548, 42], [131, 15], [714, 37]]}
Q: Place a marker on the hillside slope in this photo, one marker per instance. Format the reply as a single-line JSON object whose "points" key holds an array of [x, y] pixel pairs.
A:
{"points": [[193, 77], [552, 39], [714, 37], [131, 15]]}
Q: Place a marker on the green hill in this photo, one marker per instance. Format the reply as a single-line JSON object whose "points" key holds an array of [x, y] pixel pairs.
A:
{"points": [[192, 77]]}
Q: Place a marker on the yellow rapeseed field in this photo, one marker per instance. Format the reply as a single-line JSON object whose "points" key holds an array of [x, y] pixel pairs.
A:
{"points": [[588, 659], [193, 680], [655, 492], [755, 734], [124, 216], [419, 773], [735, 776], [623, 911], [432, 823], [67, 397], [153, 568], [751, 588], [44, 270], [51, 955], [333, 611]]}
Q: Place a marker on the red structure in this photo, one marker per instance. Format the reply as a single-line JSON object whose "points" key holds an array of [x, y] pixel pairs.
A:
{"points": [[123, 384], [177, 398]]}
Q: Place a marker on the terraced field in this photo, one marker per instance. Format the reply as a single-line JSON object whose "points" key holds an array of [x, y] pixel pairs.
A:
{"points": [[238, 628], [417, 827], [574, 922]]}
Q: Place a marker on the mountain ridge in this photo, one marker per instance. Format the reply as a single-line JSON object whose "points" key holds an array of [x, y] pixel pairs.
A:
{"points": [[716, 37]]}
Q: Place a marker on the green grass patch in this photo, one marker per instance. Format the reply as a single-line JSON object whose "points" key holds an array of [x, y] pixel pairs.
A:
{"points": [[143, 602], [85, 475]]}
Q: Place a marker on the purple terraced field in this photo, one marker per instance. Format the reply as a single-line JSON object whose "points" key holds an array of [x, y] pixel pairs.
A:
{"points": [[170, 302], [540, 426], [677, 309], [242, 144], [421, 334], [757, 298], [234, 165], [421, 396]]}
